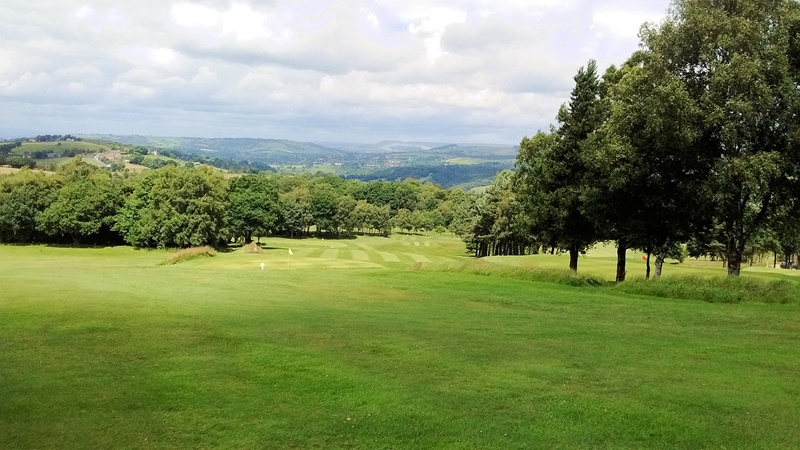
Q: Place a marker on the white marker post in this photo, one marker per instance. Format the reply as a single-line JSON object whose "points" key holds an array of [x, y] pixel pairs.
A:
{"points": [[262, 266]]}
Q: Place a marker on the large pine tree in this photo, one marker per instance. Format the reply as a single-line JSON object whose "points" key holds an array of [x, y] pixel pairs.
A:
{"points": [[553, 174]]}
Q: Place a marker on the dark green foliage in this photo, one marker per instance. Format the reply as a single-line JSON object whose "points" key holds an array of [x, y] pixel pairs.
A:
{"points": [[554, 176], [642, 194], [738, 65], [406, 196], [55, 138], [5, 149], [175, 207], [295, 218], [20, 162], [84, 206], [498, 228], [323, 207], [345, 218], [252, 206], [179, 207], [23, 196]]}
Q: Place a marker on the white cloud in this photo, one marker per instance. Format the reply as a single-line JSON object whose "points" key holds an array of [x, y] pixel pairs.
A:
{"points": [[84, 12], [194, 16], [418, 69], [623, 23]]}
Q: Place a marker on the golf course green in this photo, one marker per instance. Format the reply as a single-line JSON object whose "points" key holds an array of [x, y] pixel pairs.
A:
{"points": [[382, 343]]}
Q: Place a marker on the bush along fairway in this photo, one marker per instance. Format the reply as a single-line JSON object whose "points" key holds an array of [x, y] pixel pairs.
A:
{"points": [[363, 344]]}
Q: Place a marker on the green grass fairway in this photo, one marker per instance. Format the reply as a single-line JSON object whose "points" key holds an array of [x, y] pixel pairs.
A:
{"points": [[341, 346]]}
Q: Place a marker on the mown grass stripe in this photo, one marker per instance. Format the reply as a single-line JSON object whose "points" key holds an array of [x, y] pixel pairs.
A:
{"points": [[331, 253], [389, 257], [359, 255], [416, 257]]}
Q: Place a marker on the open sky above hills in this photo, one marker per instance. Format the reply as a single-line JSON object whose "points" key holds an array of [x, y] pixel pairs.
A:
{"points": [[350, 70]]}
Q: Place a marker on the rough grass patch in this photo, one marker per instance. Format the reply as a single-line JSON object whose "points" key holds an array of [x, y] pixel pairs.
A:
{"points": [[252, 248], [189, 254], [703, 288], [715, 289], [473, 267]]}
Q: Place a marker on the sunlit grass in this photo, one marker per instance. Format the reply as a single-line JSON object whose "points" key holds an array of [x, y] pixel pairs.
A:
{"points": [[107, 348]]}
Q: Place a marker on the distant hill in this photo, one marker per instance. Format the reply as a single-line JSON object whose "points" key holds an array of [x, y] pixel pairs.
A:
{"points": [[448, 176], [283, 151], [448, 164], [269, 151], [488, 151]]}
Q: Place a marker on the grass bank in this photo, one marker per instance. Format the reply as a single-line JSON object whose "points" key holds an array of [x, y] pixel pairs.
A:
{"points": [[713, 289]]}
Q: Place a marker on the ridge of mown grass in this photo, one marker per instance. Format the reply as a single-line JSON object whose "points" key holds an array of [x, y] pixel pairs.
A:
{"points": [[188, 254], [717, 289], [473, 267], [687, 287]]}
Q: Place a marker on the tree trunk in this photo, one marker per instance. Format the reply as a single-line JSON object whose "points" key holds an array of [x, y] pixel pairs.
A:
{"points": [[735, 249], [775, 261], [659, 265], [573, 258], [647, 273], [622, 249]]}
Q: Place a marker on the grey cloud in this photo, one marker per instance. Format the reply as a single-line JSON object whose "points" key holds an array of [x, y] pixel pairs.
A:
{"points": [[502, 75]]}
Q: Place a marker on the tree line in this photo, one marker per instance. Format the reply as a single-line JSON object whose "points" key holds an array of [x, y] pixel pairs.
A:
{"points": [[189, 206], [695, 139]]}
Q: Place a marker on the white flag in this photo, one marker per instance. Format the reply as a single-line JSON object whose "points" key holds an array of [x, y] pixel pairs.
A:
{"points": [[290, 252]]}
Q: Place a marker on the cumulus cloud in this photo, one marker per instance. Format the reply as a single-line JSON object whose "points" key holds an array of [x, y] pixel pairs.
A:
{"points": [[361, 70]]}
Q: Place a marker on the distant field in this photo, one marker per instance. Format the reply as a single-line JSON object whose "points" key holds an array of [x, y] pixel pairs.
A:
{"points": [[10, 170], [161, 158], [464, 161], [59, 147], [340, 345], [301, 168], [56, 161]]}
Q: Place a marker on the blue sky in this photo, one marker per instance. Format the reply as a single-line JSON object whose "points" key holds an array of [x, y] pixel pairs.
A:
{"points": [[355, 70]]}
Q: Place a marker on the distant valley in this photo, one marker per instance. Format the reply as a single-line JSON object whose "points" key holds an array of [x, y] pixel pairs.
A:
{"points": [[448, 164]]}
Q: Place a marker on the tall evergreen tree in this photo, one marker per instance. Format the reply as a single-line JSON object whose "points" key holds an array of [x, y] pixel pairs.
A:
{"points": [[554, 174]]}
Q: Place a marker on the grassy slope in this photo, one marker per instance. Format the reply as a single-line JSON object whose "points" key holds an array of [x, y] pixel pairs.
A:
{"points": [[58, 147], [339, 346], [11, 170]]}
